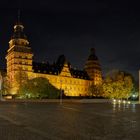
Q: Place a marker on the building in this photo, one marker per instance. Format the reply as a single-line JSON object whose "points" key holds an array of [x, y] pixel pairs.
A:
{"points": [[60, 74]]}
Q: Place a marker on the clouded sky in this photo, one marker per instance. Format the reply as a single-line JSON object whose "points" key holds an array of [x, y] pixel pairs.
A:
{"points": [[73, 27]]}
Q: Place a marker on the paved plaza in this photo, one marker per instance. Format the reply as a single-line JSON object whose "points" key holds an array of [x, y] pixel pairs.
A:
{"points": [[69, 121]]}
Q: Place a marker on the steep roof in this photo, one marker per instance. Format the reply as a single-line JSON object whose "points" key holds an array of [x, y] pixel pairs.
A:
{"points": [[56, 68]]}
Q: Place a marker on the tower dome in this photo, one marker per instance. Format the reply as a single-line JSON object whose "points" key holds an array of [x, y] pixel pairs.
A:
{"points": [[18, 31]]}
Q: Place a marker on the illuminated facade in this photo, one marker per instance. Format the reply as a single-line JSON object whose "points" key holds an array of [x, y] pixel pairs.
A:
{"points": [[61, 74], [93, 68], [19, 56]]}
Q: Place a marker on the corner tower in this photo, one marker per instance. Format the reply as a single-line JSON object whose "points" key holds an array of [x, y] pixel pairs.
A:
{"points": [[93, 68], [19, 55]]}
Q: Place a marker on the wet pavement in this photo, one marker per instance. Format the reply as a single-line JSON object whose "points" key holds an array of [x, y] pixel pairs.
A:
{"points": [[69, 121]]}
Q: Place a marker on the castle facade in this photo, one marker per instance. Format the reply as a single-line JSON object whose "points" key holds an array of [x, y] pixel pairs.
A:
{"points": [[61, 75]]}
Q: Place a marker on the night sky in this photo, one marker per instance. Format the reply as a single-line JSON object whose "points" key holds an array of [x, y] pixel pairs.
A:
{"points": [[56, 27]]}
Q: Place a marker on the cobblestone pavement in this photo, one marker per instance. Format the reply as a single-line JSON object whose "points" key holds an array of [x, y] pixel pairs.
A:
{"points": [[69, 121]]}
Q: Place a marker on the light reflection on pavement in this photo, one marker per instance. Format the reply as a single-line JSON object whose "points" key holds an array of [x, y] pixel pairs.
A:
{"points": [[71, 121]]}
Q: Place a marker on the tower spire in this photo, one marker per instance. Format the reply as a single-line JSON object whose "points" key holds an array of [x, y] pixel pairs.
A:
{"points": [[18, 27], [19, 12]]}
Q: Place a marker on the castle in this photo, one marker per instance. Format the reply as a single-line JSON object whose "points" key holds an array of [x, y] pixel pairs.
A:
{"points": [[61, 75]]}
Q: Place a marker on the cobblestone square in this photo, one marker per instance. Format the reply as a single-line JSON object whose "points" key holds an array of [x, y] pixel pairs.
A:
{"points": [[69, 121]]}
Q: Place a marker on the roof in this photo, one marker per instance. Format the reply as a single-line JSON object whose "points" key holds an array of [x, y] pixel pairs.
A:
{"points": [[44, 68], [19, 32], [55, 69], [92, 55], [81, 74]]}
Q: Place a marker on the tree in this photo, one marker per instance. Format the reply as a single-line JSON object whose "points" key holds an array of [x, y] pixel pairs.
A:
{"points": [[6, 86], [38, 88], [118, 84], [95, 90], [135, 92]]}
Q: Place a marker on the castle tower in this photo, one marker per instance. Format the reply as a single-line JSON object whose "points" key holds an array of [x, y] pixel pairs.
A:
{"points": [[19, 55], [93, 68]]}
